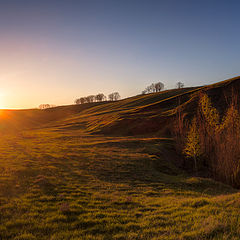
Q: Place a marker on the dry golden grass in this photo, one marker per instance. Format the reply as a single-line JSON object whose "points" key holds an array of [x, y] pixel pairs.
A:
{"points": [[62, 178], [71, 185]]}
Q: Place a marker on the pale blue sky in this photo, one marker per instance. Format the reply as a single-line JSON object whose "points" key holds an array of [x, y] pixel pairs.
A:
{"points": [[55, 51]]}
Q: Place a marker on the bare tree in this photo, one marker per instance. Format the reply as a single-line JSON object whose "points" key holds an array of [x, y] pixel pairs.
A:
{"points": [[154, 87], [110, 97], [81, 100], [100, 97], [114, 96], [180, 85], [158, 86], [87, 99], [90, 98], [77, 101], [150, 89]]}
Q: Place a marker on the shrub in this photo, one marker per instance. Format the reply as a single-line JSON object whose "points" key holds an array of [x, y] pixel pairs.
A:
{"points": [[192, 148], [218, 142]]}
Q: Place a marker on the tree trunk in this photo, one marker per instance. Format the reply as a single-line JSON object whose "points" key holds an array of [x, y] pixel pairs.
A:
{"points": [[195, 163]]}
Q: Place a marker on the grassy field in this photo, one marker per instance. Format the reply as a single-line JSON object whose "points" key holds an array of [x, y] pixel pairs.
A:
{"points": [[57, 184], [63, 177]]}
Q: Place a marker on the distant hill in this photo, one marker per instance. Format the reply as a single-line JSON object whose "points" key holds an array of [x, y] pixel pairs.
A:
{"points": [[143, 114]]}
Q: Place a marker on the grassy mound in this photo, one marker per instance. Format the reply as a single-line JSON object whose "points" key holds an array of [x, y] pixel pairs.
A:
{"points": [[63, 176]]}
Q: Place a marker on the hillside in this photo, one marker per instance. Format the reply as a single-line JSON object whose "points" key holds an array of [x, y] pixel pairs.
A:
{"points": [[66, 184], [77, 115], [143, 114], [109, 171]]}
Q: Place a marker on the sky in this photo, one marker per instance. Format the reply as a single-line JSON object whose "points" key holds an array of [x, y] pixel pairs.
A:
{"points": [[56, 51]]}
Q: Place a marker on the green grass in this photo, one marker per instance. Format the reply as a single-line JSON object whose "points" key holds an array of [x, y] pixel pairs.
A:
{"points": [[72, 172], [72, 185]]}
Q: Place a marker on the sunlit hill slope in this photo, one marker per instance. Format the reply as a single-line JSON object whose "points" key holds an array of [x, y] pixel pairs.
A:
{"points": [[109, 171], [142, 114]]}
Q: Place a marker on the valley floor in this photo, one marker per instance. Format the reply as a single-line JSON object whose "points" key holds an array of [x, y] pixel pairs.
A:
{"points": [[57, 184]]}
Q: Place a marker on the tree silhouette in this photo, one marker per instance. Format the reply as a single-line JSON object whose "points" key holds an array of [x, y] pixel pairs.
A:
{"points": [[114, 96], [180, 85], [154, 87], [100, 97], [158, 86], [81, 100], [90, 98]]}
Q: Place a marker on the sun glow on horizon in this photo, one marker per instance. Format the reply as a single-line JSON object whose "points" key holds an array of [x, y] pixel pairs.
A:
{"points": [[2, 101]]}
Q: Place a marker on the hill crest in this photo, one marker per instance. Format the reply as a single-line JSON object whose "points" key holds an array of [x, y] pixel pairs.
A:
{"points": [[142, 114]]}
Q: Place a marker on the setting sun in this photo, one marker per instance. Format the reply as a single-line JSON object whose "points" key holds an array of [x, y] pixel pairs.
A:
{"points": [[116, 122]]}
